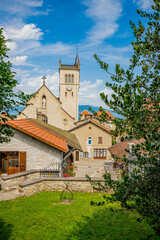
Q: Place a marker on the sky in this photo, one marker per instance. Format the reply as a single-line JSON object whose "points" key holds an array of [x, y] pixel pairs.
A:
{"points": [[43, 31]]}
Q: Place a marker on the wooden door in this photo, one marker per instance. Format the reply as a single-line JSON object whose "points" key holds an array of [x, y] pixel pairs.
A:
{"points": [[12, 162], [22, 161], [77, 155]]}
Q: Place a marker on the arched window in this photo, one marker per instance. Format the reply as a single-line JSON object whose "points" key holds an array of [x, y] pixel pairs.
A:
{"points": [[65, 78], [72, 78], [69, 78], [44, 101], [41, 117]]}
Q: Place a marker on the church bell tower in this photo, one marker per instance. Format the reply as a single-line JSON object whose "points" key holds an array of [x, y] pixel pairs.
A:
{"points": [[69, 87]]}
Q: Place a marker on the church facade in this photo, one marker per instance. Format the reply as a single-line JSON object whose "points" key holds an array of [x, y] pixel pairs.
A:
{"points": [[60, 112]]}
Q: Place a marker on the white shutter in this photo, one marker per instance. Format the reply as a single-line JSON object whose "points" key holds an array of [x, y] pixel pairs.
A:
{"points": [[89, 154], [81, 154]]}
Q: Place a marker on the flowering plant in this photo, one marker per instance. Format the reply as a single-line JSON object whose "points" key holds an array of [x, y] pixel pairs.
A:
{"points": [[69, 171]]}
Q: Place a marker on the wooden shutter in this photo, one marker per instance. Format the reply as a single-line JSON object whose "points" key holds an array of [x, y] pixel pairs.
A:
{"points": [[22, 161]]}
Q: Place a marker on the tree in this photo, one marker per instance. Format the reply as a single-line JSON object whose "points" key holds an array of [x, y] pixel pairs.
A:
{"points": [[10, 100], [137, 98]]}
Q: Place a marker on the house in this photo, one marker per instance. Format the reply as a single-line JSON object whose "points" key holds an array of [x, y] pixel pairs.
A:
{"points": [[60, 111], [94, 138], [87, 115], [35, 145], [119, 151]]}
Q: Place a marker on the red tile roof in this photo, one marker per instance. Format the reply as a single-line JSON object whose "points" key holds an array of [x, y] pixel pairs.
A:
{"points": [[28, 127], [85, 112], [108, 113], [119, 149]]}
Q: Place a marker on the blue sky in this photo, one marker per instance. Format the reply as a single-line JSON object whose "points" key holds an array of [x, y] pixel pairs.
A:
{"points": [[42, 31]]}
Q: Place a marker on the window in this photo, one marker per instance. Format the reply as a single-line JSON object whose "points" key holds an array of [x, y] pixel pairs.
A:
{"points": [[100, 140], [44, 101], [69, 78], [13, 159], [72, 94], [100, 153], [65, 94], [72, 78], [85, 154], [89, 140], [65, 78], [41, 117]]}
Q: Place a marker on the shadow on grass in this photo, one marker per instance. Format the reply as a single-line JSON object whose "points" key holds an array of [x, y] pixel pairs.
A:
{"points": [[5, 230], [108, 225]]}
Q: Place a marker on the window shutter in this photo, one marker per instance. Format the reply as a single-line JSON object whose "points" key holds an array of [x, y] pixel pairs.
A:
{"points": [[22, 161], [89, 155]]}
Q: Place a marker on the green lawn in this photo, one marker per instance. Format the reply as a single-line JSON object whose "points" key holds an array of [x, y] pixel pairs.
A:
{"points": [[38, 217]]}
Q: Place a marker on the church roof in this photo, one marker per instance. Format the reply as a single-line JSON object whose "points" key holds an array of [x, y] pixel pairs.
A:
{"points": [[46, 133]]}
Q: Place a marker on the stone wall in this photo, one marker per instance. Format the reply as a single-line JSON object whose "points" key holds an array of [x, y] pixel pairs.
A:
{"points": [[38, 154], [30, 182], [56, 184], [11, 182]]}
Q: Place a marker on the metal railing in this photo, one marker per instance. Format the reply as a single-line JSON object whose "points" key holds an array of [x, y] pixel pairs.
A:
{"points": [[51, 170]]}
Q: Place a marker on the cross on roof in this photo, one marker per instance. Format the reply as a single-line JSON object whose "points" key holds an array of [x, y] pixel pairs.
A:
{"points": [[44, 78]]}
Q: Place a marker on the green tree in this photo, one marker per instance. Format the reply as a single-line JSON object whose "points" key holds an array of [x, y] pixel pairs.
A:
{"points": [[137, 98], [10, 100]]}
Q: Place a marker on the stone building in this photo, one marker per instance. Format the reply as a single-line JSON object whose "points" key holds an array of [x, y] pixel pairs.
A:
{"points": [[94, 138], [61, 112], [35, 145]]}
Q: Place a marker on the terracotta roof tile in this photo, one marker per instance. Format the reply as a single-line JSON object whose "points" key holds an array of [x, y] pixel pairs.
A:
{"points": [[28, 127], [119, 149], [85, 112], [108, 113]]}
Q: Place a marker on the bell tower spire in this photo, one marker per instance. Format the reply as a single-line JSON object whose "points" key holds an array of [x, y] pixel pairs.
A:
{"points": [[77, 58]]}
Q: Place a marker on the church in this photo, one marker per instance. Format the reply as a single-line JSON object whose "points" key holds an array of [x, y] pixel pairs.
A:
{"points": [[62, 112]]}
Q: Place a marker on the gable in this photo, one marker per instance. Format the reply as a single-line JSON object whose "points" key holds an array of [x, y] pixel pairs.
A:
{"points": [[52, 109], [90, 129]]}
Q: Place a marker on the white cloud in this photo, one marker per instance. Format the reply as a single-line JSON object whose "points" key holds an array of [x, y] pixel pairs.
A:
{"points": [[89, 93], [58, 48], [19, 60], [11, 45], [28, 31], [23, 8], [32, 3], [31, 80], [104, 14], [144, 4]]}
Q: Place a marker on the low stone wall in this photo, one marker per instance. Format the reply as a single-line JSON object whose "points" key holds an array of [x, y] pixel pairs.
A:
{"points": [[56, 184], [12, 181], [30, 182]]}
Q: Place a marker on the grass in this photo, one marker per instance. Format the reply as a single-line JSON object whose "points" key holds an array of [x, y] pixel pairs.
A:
{"points": [[39, 218]]}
